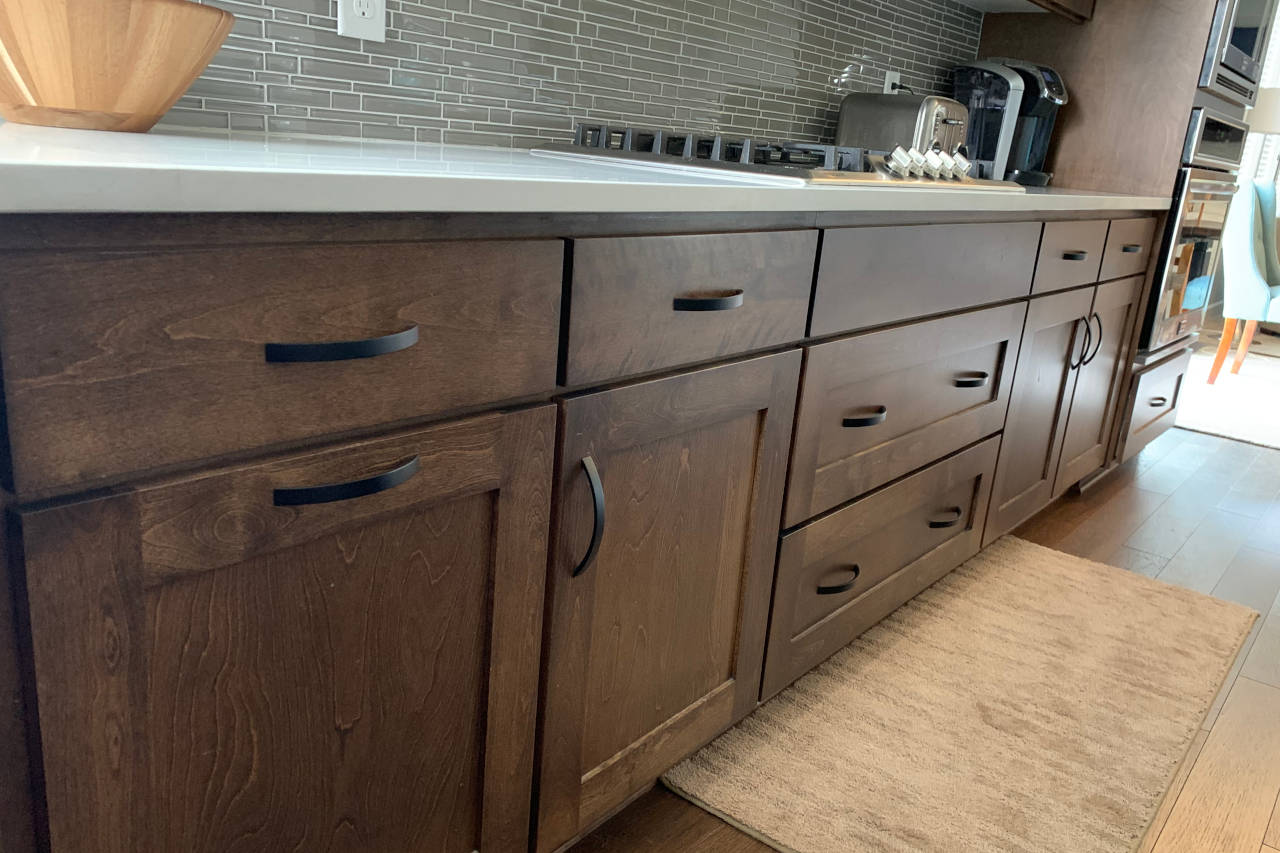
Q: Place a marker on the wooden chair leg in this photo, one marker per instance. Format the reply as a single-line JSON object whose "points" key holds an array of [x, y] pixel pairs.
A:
{"points": [[1249, 329], [1224, 347]]}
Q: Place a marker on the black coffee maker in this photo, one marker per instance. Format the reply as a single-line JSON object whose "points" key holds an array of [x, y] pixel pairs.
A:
{"points": [[1012, 108]]}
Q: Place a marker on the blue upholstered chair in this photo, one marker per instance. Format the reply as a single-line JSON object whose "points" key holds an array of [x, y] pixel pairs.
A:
{"points": [[1250, 269]]}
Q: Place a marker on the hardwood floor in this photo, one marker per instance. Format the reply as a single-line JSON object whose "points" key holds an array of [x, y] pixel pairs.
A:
{"points": [[1191, 509]]}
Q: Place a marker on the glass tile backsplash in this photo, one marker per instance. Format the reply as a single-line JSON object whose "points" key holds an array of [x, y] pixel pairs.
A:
{"points": [[520, 72]]}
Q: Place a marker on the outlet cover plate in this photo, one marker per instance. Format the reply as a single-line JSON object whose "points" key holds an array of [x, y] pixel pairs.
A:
{"points": [[363, 19], [890, 77]]}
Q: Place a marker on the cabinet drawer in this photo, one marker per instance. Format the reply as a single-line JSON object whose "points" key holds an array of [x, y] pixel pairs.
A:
{"points": [[1154, 402], [1129, 246], [1070, 254], [900, 539], [640, 304], [874, 276], [116, 362], [877, 406]]}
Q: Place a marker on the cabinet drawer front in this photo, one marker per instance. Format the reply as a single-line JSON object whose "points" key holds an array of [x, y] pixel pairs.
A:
{"points": [[119, 362], [641, 304], [938, 386], [873, 276], [1155, 402], [1130, 243], [359, 668], [1070, 254], [901, 539]]}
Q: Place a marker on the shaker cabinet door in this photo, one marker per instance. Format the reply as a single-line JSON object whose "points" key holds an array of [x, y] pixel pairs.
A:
{"points": [[330, 651], [1052, 345], [670, 495]]}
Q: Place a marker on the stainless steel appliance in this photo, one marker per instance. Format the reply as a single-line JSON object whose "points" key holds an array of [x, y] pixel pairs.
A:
{"points": [[1190, 254], [1214, 140], [882, 122], [771, 162], [1012, 109], [1238, 40]]}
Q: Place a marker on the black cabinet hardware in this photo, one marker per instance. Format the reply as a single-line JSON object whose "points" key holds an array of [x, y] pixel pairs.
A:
{"points": [[722, 300], [346, 491], [1157, 402], [1088, 342], [1131, 248], [956, 513], [597, 526], [876, 417], [972, 379], [837, 588], [342, 350], [1074, 256], [1097, 347]]}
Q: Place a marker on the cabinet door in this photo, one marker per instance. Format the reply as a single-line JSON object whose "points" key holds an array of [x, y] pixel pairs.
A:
{"points": [[655, 647], [1052, 341], [1095, 405], [254, 660]]}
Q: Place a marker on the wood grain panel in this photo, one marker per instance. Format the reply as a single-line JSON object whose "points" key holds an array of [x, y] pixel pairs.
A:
{"points": [[1130, 247], [912, 372], [1154, 403], [873, 276], [657, 646], [621, 316], [1070, 255], [117, 362], [17, 828], [365, 684]]}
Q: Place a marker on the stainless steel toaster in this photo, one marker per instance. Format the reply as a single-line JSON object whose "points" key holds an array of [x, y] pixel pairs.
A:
{"points": [[882, 122]]}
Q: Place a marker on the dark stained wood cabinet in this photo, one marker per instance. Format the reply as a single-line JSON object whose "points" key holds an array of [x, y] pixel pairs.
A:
{"points": [[1153, 403], [655, 647], [17, 820], [1095, 404], [1130, 243], [1070, 254], [1052, 344], [221, 664]]}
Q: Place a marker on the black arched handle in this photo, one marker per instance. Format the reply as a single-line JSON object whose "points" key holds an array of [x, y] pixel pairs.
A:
{"points": [[1131, 248], [724, 300], [346, 491], [972, 379], [876, 417], [1088, 342], [1074, 255], [597, 526], [342, 350], [1097, 347], [837, 588], [956, 512], [1157, 402]]}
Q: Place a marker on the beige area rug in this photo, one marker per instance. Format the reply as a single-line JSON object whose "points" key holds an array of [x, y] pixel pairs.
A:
{"points": [[1243, 406], [1029, 701]]}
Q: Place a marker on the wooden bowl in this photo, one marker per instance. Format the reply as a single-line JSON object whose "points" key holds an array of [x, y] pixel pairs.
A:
{"points": [[102, 64]]}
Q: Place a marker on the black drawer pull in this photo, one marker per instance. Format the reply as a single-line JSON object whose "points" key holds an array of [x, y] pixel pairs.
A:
{"points": [[342, 350], [876, 417], [1157, 402], [597, 525], [723, 300], [972, 379], [957, 514], [346, 491], [837, 588], [1131, 248], [1097, 347], [1074, 256]]}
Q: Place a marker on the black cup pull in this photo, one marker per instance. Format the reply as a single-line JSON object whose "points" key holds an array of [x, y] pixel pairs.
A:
{"points": [[1157, 402], [953, 518], [1097, 347], [597, 525], [723, 300], [972, 379], [1074, 255], [1131, 248], [342, 350], [837, 588], [1088, 342], [877, 416], [346, 491]]}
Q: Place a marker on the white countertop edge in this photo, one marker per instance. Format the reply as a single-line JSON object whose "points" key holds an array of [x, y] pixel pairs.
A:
{"points": [[65, 188]]}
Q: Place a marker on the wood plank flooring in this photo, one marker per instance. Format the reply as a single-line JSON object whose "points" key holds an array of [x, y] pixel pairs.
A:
{"points": [[1190, 509]]}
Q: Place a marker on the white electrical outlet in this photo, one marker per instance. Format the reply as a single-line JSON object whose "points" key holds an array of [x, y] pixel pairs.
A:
{"points": [[363, 19], [891, 79]]}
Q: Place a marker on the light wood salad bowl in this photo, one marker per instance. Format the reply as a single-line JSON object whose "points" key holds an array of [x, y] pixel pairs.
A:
{"points": [[102, 64]]}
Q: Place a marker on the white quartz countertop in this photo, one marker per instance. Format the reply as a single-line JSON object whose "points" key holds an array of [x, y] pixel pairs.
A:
{"points": [[48, 170]]}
